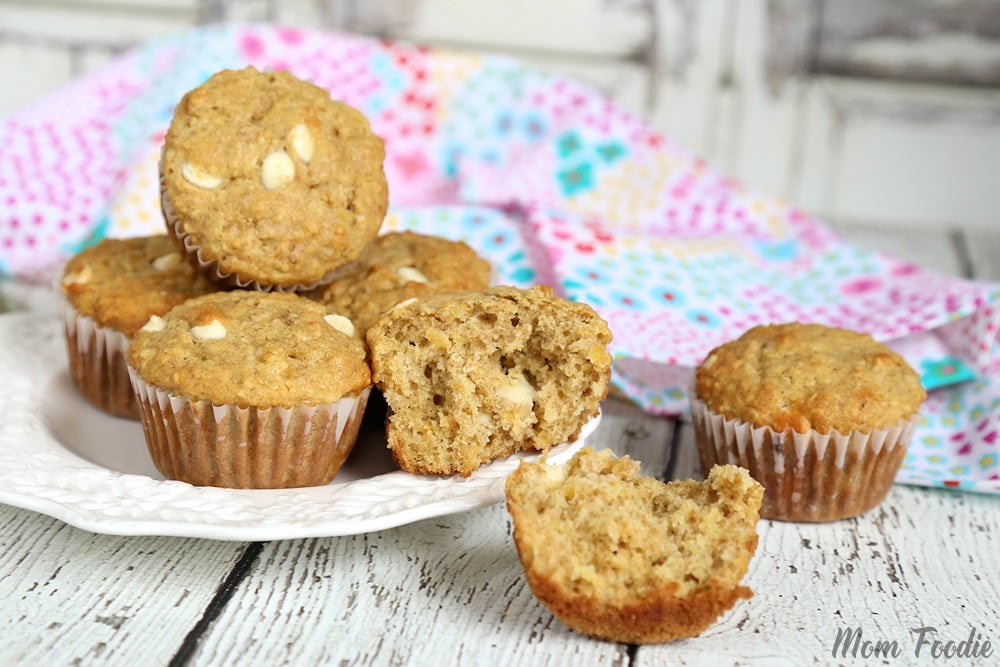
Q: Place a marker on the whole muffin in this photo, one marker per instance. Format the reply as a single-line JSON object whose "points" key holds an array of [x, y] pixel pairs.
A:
{"points": [[820, 416], [249, 390], [268, 182], [470, 377], [109, 291], [400, 266], [628, 558]]}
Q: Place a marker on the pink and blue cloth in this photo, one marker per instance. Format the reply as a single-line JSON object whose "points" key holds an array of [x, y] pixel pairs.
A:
{"points": [[554, 184]]}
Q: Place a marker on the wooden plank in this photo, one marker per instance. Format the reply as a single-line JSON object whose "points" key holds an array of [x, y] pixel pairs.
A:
{"points": [[94, 24], [627, 429], [73, 597], [933, 248], [982, 247], [684, 463], [30, 71], [593, 28], [445, 591]]}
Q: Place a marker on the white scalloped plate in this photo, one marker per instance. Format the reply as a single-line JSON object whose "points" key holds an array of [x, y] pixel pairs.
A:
{"points": [[62, 457]]}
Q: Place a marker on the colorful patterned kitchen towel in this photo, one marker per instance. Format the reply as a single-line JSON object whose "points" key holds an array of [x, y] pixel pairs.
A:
{"points": [[552, 182]]}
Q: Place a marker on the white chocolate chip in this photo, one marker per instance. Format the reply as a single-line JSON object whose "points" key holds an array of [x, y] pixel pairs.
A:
{"points": [[301, 141], [81, 277], [411, 275], [277, 170], [167, 262], [195, 175], [155, 323], [404, 303], [214, 330], [340, 323], [517, 390]]}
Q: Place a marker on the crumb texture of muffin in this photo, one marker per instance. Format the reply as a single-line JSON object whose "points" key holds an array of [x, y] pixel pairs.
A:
{"points": [[249, 390], [470, 377], [109, 291], [820, 416], [398, 266], [269, 181], [627, 558]]}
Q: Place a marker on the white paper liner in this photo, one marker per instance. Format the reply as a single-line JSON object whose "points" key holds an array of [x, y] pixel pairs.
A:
{"points": [[210, 268], [806, 476], [97, 361], [247, 447]]}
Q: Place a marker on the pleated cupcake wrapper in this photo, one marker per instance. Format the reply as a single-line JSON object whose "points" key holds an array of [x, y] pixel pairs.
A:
{"points": [[806, 476], [97, 361], [211, 269], [247, 447]]}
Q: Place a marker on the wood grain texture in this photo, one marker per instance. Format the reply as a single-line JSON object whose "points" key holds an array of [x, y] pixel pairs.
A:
{"points": [[447, 591], [72, 597]]}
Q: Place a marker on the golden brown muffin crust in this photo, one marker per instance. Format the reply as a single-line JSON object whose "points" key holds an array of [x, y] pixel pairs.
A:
{"points": [[120, 283], [628, 558], [809, 376], [250, 349], [271, 178], [400, 266]]}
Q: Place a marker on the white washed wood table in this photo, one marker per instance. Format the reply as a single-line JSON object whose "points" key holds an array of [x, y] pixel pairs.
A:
{"points": [[450, 590]]}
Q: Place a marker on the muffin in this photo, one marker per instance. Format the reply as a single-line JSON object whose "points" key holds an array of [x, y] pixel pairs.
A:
{"points": [[820, 416], [249, 390], [400, 266], [628, 558], [470, 377], [268, 182], [109, 291]]}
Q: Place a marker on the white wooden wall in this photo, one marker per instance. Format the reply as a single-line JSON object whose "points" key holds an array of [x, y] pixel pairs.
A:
{"points": [[855, 110]]}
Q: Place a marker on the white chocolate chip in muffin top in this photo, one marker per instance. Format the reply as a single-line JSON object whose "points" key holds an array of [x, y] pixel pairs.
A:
{"points": [[81, 277], [199, 177], [155, 323], [411, 275], [340, 323], [277, 170], [214, 330], [167, 262], [302, 142]]}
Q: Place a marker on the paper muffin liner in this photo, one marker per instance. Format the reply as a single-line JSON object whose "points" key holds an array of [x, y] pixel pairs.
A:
{"points": [[806, 476], [97, 362], [247, 447], [211, 269]]}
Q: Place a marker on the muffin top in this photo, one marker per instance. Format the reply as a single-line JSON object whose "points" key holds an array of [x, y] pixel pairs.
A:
{"points": [[400, 266], [251, 349], [809, 376], [120, 283], [271, 179]]}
